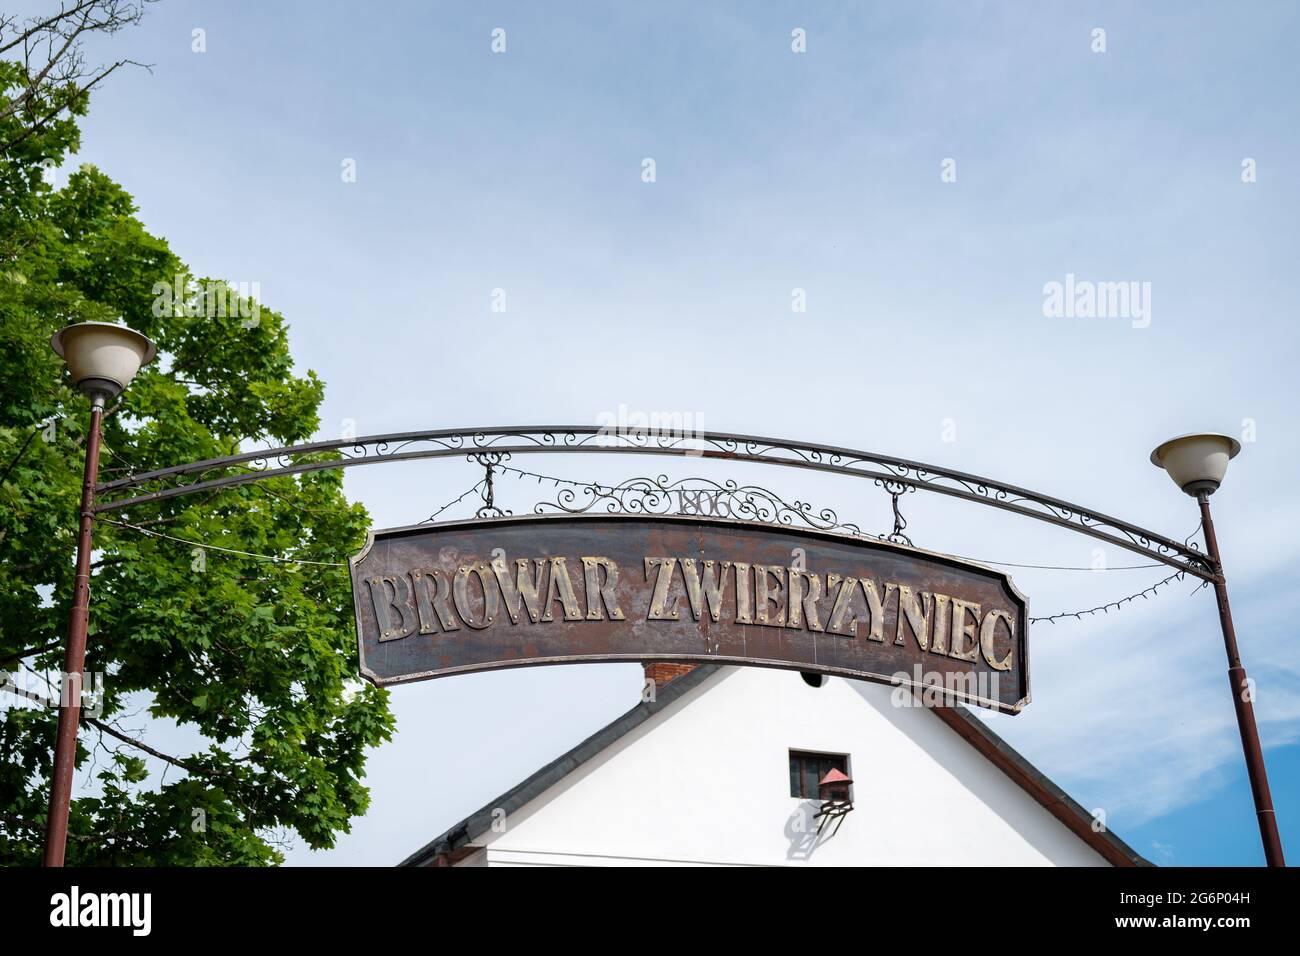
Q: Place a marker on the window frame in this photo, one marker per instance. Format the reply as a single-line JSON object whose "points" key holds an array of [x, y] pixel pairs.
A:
{"points": [[826, 759]]}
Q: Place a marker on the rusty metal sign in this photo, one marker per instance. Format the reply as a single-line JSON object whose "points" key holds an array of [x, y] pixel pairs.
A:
{"points": [[433, 600]]}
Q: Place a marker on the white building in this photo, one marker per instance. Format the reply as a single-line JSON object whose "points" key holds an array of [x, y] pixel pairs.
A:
{"points": [[711, 773]]}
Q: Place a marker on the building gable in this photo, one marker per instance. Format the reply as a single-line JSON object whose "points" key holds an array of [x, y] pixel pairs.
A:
{"points": [[703, 776]]}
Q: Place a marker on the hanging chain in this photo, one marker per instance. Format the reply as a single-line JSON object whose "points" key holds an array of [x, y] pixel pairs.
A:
{"points": [[489, 460], [895, 489]]}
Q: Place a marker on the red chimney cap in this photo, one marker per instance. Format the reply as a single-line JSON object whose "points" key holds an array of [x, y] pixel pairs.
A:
{"points": [[834, 776]]}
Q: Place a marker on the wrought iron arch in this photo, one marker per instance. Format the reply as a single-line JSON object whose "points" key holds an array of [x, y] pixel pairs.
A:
{"points": [[505, 442]]}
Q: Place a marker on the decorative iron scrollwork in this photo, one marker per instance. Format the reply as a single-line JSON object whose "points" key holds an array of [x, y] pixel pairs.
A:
{"points": [[701, 497]]}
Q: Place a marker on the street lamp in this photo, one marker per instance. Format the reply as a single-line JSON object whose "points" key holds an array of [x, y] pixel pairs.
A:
{"points": [[1197, 464], [102, 359]]}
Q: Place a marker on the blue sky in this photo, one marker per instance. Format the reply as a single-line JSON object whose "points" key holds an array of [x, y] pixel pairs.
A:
{"points": [[777, 171]]}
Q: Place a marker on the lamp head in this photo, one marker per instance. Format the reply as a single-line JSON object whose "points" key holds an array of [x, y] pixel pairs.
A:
{"points": [[102, 357], [1196, 463]]}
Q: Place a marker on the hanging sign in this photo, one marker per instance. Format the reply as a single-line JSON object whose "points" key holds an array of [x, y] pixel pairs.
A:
{"points": [[433, 600]]}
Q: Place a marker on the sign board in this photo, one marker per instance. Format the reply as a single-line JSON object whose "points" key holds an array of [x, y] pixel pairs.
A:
{"points": [[453, 598]]}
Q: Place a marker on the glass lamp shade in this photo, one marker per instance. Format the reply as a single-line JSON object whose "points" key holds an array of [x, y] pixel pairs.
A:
{"points": [[1196, 463], [102, 357]]}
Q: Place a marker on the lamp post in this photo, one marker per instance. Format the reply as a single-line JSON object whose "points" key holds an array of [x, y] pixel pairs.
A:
{"points": [[1197, 464], [102, 359]]}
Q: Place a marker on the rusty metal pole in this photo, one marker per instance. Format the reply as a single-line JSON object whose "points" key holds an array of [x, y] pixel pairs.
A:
{"points": [[74, 662], [1242, 695]]}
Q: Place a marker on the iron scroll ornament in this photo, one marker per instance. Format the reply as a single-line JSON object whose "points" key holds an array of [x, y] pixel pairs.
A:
{"points": [[508, 441], [701, 497]]}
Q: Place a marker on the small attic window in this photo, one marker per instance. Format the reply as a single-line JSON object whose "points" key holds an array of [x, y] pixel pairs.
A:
{"points": [[808, 768]]}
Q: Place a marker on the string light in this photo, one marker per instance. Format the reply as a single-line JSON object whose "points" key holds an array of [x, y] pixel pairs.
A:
{"points": [[213, 547], [557, 481]]}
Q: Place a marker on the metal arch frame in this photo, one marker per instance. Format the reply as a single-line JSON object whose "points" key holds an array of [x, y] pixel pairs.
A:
{"points": [[507, 441]]}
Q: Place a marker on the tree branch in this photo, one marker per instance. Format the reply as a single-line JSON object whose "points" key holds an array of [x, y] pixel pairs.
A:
{"points": [[18, 457], [56, 79], [39, 827], [141, 745], [13, 658]]}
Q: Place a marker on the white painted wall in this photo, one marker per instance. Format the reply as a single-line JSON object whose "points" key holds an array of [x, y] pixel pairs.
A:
{"points": [[706, 782]]}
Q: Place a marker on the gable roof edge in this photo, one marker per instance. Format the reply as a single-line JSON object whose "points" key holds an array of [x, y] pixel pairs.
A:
{"points": [[1034, 782], [476, 824]]}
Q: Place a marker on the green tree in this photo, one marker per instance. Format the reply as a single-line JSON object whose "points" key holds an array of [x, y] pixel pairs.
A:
{"points": [[256, 660]]}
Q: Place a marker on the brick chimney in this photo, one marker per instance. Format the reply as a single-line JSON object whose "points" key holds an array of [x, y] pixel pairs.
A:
{"points": [[661, 673]]}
